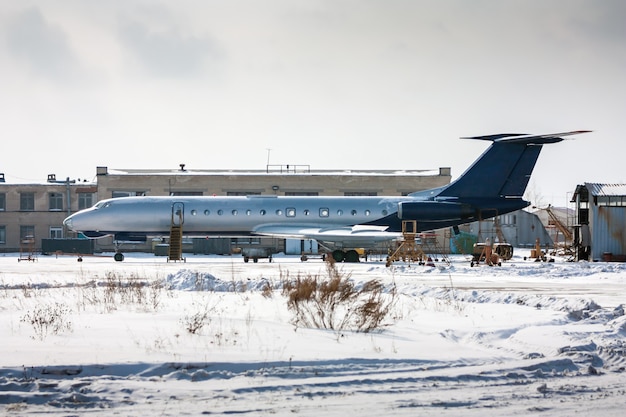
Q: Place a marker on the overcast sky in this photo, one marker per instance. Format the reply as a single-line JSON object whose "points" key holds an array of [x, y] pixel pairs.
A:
{"points": [[337, 84]]}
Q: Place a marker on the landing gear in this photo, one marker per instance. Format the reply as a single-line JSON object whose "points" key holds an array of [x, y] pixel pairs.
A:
{"points": [[119, 256], [338, 255], [351, 256], [255, 259]]}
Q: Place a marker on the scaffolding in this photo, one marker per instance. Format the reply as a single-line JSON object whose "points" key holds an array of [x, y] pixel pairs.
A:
{"points": [[27, 249], [425, 250]]}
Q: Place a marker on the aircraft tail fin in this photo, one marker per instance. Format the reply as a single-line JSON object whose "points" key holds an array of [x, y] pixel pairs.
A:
{"points": [[504, 169]]}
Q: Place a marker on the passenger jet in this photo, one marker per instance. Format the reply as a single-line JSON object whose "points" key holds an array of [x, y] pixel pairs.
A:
{"points": [[493, 185]]}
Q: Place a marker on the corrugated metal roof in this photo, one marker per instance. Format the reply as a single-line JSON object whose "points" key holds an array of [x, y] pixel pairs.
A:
{"points": [[596, 189]]}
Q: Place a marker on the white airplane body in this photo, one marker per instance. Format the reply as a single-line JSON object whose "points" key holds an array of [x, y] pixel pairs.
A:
{"points": [[492, 186]]}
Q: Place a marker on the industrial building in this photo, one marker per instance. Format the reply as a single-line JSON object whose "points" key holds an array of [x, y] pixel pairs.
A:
{"points": [[600, 232], [519, 228], [32, 212]]}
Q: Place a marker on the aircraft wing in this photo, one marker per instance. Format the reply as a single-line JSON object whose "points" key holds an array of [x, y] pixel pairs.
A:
{"points": [[357, 235]]}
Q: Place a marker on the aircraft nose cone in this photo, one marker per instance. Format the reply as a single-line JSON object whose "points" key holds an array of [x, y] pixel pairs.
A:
{"points": [[69, 223]]}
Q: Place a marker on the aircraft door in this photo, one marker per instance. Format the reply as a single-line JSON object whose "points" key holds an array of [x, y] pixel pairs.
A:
{"points": [[178, 214]]}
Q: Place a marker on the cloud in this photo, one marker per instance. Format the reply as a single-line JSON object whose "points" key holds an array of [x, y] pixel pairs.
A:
{"points": [[166, 51], [41, 46]]}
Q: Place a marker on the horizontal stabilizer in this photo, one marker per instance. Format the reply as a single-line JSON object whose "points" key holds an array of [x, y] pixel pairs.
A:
{"points": [[526, 138]]}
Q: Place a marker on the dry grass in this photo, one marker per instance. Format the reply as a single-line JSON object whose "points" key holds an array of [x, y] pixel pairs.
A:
{"points": [[336, 303]]}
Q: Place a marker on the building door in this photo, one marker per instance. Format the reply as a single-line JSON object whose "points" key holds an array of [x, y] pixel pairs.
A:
{"points": [[178, 214]]}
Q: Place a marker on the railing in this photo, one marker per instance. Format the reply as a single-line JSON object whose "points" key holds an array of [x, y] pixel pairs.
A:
{"points": [[294, 169]]}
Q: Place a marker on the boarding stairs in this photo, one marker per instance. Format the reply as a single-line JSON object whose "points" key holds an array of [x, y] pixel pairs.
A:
{"points": [[175, 251]]}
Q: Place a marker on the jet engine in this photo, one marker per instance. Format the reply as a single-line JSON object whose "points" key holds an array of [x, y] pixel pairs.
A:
{"points": [[434, 211]]}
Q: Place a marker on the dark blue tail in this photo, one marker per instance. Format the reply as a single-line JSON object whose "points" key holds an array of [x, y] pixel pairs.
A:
{"points": [[504, 169]]}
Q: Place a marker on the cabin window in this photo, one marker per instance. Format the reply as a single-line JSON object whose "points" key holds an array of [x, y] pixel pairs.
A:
{"points": [[307, 212], [353, 212], [207, 212], [234, 212], [248, 212], [339, 212], [324, 212], [220, 212], [263, 212], [385, 212], [279, 212], [367, 212], [194, 212], [291, 212]]}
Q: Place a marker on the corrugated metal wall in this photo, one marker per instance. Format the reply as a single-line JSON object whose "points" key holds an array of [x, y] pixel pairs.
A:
{"points": [[609, 232]]}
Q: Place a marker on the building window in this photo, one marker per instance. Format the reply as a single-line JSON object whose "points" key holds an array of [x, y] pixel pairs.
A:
{"points": [[56, 201], [186, 193], [3, 201], [116, 194], [508, 219], [360, 193], [27, 201], [85, 200], [56, 232], [242, 193], [302, 193], [27, 232], [3, 234]]}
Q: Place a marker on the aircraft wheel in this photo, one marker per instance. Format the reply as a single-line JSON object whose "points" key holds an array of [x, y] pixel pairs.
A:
{"points": [[255, 260], [119, 256], [338, 255], [352, 256], [246, 259]]}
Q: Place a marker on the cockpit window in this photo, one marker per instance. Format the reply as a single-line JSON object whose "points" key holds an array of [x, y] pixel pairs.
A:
{"points": [[102, 204]]}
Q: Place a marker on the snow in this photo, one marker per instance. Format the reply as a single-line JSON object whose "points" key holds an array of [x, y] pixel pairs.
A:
{"points": [[526, 338]]}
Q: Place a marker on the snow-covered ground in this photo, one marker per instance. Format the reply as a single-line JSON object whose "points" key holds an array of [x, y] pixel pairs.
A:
{"points": [[214, 336]]}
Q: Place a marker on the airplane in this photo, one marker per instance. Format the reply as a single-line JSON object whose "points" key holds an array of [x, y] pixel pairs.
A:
{"points": [[493, 185]]}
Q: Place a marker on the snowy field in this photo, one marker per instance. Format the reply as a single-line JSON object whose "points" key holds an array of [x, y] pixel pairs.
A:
{"points": [[215, 336]]}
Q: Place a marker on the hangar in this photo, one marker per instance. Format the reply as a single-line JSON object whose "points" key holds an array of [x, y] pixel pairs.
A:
{"points": [[600, 232]]}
